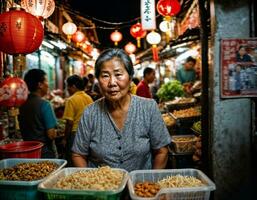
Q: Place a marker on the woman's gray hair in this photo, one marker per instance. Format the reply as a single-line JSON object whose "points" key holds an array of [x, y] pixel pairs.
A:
{"points": [[111, 53]]}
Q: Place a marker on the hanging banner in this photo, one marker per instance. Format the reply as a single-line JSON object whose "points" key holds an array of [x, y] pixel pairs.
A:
{"points": [[238, 68], [148, 18]]}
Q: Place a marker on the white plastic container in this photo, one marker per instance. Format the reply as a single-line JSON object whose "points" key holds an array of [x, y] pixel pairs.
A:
{"points": [[51, 193], [185, 193]]}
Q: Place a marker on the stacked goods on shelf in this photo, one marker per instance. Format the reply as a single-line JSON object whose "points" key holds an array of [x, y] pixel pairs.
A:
{"points": [[174, 184], [85, 183], [182, 147], [180, 103], [198, 145], [183, 144], [170, 122], [20, 177]]}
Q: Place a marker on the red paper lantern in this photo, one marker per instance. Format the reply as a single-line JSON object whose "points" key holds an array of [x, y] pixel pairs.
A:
{"points": [[20, 32], [116, 36], [42, 9], [78, 37], [13, 92], [168, 8], [137, 32]]}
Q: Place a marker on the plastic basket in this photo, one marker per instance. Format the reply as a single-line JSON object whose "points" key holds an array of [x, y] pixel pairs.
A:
{"points": [[23, 190], [53, 193], [22, 149], [186, 193], [183, 146]]}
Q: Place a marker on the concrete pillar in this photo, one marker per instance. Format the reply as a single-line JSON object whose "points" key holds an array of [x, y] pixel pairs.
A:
{"points": [[231, 118]]}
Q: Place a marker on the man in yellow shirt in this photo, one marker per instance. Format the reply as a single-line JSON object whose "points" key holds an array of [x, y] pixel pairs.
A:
{"points": [[74, 107]]}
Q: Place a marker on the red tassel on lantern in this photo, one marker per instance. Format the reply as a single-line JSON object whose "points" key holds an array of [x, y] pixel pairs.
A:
{"points": [[137, 32], [155, 53]]}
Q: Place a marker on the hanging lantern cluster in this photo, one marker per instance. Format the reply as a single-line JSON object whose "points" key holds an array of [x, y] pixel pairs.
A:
{"points": [[42, 9], [69, 29], [116, 37], [154, 38], [137, 32], [168, 8], [78, 37], [20, 32], [13, 92], [130, 48]]}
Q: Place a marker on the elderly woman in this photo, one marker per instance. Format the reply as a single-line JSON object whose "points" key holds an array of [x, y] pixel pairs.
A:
{"points": [[120, 130]]}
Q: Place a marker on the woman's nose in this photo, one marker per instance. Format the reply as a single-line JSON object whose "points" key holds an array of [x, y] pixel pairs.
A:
{"points": [[113, 81]]}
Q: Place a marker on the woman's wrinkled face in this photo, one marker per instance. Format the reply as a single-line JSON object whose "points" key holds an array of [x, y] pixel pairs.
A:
{"points": [[114, 80]]}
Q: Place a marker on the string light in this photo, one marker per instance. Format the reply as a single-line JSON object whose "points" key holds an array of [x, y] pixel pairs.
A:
{"points": [[121, 25]]}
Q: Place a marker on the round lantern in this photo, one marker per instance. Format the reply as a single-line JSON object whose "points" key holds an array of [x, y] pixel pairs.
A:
{"points": [[137, 32], [69, 29], [165, 26], [116, 36], [130, 48], [13, 92], [154, 38], [42, 9], [78, 37], [20, 32], [168, 8]]}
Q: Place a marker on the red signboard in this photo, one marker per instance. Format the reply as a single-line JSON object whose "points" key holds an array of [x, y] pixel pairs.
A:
{"points": [[238, 68]]}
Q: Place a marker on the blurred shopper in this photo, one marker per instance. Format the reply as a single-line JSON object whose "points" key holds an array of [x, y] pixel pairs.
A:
{"points": [[74, 107], [37, 120], [143, 89], [186, 73], [120, 130], [93, 87]]}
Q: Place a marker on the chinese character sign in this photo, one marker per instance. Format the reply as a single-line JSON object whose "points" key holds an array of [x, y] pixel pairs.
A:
{"points": [[148, 19], [238, 68]]}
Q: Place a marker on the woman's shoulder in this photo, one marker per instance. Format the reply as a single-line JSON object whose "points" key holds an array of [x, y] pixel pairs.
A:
{"points": [[96, 105], [142, 101]]}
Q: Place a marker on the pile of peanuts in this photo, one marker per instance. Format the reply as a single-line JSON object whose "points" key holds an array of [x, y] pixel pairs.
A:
{"points": [[146, 189]]}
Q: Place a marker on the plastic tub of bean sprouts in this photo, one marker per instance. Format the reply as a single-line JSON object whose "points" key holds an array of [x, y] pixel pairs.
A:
{"points": [[85, 184], [170, 184], [23, 190]]}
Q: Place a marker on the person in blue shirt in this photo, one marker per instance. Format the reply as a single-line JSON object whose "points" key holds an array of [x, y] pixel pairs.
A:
{"points": [[37, 120], [186, 73]]}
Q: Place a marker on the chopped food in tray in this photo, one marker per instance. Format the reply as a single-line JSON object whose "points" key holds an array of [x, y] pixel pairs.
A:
{"points": [[103, 178], [169, 121], [190, 112], [181, 100]]}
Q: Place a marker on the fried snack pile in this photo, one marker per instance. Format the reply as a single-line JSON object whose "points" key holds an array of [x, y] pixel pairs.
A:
{"points": [[103, 178], [29, 171], [146, 189]]}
